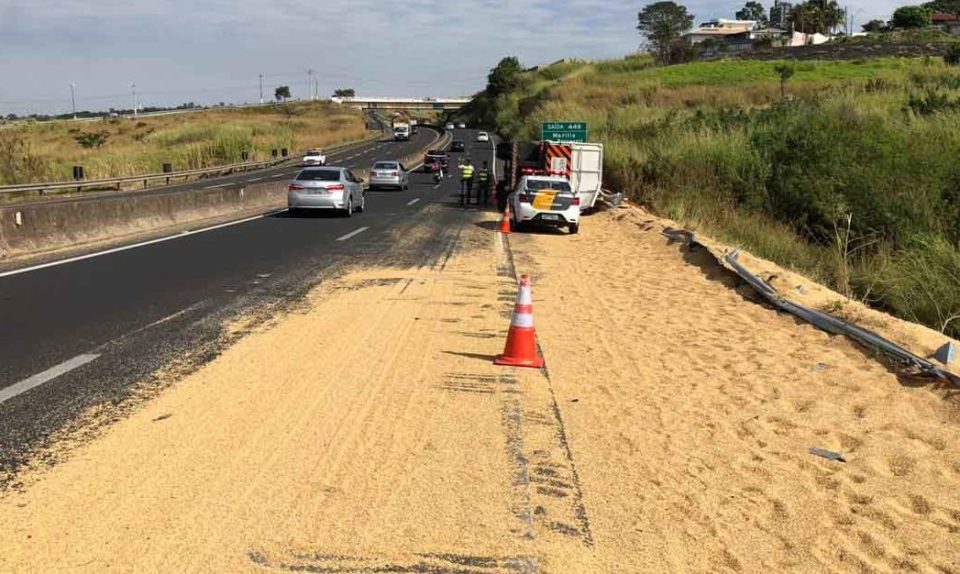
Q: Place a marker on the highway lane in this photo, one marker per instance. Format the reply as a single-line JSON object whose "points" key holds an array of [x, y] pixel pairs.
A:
{"points": [[83, 333]]}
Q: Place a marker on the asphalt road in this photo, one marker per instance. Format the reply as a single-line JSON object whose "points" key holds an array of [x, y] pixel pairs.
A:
{"points": [[84, 333]]}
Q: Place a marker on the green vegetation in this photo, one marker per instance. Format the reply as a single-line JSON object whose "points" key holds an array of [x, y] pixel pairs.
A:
{"points": [[121, 146], [911, 17], [852, 179], [662, 23]]}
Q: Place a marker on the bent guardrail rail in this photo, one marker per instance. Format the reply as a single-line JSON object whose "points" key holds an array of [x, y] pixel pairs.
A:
{"points": [[823, 321]]}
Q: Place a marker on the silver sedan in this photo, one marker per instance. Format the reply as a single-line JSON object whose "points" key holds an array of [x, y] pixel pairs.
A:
{"points": [[327, 188], [390, 174]]}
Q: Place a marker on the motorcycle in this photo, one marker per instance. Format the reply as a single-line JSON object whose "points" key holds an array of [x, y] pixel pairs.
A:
{"points": [[438, 174]]}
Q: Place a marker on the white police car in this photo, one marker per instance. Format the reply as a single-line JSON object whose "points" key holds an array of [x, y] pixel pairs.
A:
{"points": [[545, 201]]}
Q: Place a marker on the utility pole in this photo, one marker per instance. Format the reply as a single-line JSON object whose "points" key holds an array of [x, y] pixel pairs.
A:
{"points": [[261, 89], [134, 88], [73, 98]]}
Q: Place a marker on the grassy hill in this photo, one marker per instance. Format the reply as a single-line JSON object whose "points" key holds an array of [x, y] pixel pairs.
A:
{"points": [[852, 179], [47, 151]]}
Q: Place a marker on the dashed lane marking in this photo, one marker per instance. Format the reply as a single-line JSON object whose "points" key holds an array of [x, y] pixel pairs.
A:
{"points": [[353, 233], [46, 376], [412, 201], [136, 245]]}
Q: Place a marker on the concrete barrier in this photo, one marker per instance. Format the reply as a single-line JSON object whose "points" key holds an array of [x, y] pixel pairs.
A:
{"points": [[39, 227]]}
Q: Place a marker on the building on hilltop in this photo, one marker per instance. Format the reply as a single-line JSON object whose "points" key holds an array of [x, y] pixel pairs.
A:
{"points": [[949, 23], [780, 15], [733, 36]]}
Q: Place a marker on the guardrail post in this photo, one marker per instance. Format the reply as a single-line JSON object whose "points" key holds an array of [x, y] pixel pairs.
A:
{"points": [[77, 176], [167, 168], [273, 152], [284, 152], [244, 156]]}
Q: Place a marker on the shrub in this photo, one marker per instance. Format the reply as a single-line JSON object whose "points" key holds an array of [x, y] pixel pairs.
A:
{"points": [[89, 140], [952, 56]]}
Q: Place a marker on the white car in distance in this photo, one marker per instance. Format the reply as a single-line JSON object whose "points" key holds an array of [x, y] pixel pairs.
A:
{"points": [[314, 157]]}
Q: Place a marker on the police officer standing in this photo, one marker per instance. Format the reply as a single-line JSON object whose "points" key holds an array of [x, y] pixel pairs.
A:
{"points": [[466, 181], [484, 180]]}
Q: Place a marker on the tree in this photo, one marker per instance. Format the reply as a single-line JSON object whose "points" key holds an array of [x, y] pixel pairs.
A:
{"points": [[945, 6], [875, 26], [753, 11], [505, 77], [785, 71], [282, 93], [817, 16], [89, 140], [662, 23], [911, 17], [345, 93]]}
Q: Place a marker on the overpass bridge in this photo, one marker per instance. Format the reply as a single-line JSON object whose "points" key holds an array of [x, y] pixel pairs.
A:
{"points": [[419, 104]]}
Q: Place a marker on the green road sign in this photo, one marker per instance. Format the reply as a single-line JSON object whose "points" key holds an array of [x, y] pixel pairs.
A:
{"points": [[563, 131]]}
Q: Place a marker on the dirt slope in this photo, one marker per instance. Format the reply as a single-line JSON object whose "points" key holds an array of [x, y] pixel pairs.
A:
{"points": [[370, 433]]}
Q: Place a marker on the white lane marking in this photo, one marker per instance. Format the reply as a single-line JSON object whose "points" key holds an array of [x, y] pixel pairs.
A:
{"points": [[136, 245], [279, 175], [46, 376], [353, 233], [216, 186], [412, 201], [255, 179]]}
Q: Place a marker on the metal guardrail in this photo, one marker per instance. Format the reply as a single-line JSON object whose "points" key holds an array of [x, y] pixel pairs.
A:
{"points": [[819, 319], [118, 182]]}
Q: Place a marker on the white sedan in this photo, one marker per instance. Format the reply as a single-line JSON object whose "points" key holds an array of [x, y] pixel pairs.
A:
{"points": [[314, 157], [483, 137]]}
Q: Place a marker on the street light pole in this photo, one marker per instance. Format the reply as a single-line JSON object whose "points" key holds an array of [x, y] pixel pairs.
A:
{"points": [[261, 89], [73, 98], [134, 88]]}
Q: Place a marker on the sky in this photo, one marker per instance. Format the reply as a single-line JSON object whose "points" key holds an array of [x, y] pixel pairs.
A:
{"points": [[208, 51]]}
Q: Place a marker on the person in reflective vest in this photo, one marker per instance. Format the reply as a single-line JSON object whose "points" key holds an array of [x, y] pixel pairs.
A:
{"points": [[484, 178], [466, 181]]}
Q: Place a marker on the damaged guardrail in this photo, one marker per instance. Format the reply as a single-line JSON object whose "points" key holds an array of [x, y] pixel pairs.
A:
{"points": [[821, 320]]}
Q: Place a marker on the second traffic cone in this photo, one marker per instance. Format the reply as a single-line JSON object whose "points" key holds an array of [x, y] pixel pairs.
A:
{"points": [[521, 348], [505, 221]]}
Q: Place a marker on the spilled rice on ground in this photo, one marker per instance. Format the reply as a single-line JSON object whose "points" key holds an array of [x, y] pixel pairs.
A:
{"points": [[367, 431]]}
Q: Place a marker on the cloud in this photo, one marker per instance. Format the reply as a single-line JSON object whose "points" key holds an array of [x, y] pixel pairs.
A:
{"points": [[213, 50]]}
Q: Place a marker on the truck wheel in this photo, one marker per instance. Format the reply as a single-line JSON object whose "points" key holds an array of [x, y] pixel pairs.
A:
{"points": [[574, 228]]}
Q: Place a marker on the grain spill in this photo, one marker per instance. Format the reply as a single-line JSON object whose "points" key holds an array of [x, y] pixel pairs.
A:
{"points": [[368, 432]]}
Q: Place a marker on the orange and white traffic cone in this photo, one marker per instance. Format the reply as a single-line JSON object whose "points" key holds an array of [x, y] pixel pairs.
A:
{"points": [[521, 348], [505, 221]]}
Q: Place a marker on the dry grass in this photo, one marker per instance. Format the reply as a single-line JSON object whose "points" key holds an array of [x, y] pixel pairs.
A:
{"points": [[48, 151]]}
